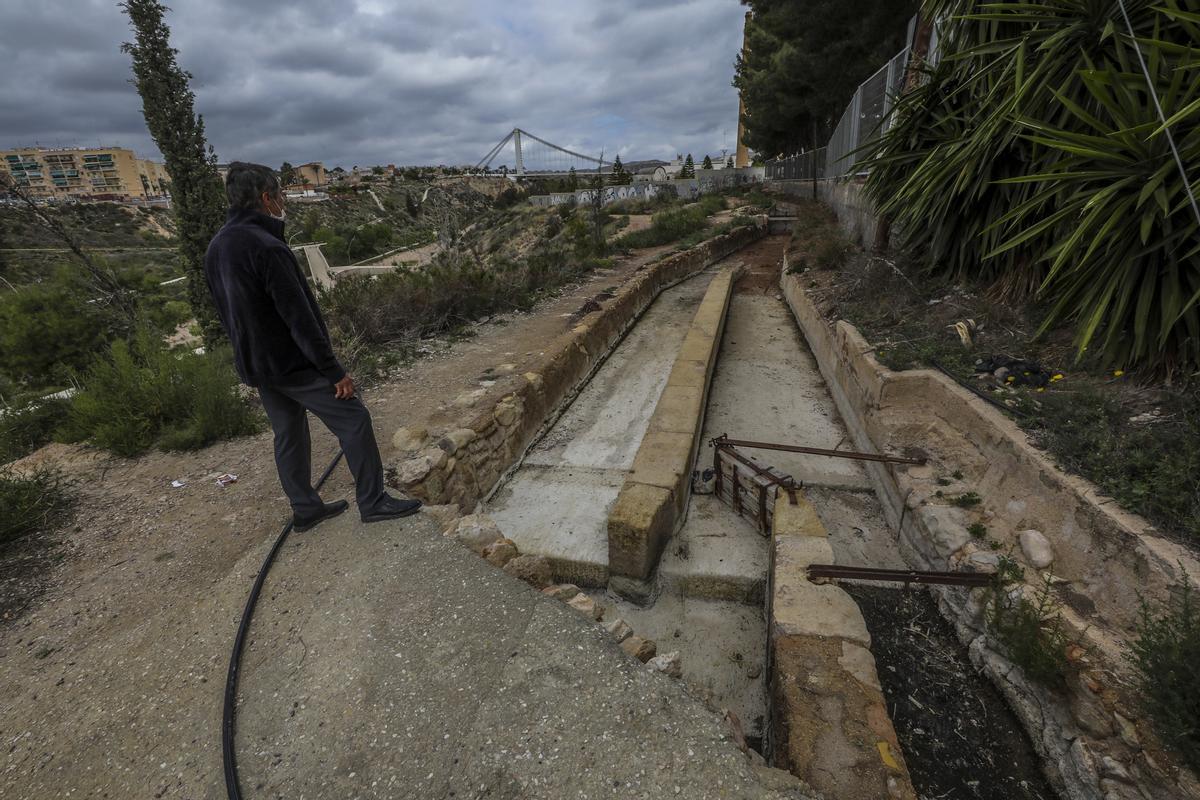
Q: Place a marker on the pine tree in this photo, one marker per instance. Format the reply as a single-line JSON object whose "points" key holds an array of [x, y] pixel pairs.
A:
{"points": [[707, 163], [689, 168], [197, 196], [729, 163], [620, 176]]}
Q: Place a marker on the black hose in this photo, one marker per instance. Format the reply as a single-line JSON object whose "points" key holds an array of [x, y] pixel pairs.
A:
{"points": [[229, 716]]}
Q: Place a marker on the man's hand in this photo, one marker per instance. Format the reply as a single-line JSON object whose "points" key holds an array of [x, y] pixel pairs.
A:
{"points": [[344, 389]]}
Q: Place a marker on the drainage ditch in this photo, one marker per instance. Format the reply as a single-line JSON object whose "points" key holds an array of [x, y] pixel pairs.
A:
{"points": [[957, 735]]}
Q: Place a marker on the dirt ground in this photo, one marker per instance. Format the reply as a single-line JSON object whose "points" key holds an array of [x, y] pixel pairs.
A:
{"points": [[124, 616], [960, 739]]}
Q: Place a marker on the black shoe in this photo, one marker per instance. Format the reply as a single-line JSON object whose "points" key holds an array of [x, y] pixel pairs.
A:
{"points": [[392, 508], [302, 524]]}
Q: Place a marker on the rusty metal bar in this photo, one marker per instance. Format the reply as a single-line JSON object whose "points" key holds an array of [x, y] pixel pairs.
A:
{"points": [[762, 507], [723, 442], [787, 483], [737, 492], [840, 572]]}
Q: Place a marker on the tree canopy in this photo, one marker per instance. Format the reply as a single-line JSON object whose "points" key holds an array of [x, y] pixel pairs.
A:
{"points": [[803, 62]]}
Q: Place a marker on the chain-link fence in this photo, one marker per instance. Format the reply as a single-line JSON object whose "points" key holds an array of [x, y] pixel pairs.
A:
{"points": [[803, 167], [866, 117]]}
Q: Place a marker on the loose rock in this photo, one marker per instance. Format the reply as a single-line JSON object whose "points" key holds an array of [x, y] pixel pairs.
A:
{"points": [[476, 532], [586, 606], [641, 649], [1036, 548], [534, 570], [561, 591], [410, 439], [669, 664], [500, 552], [620, 629]]}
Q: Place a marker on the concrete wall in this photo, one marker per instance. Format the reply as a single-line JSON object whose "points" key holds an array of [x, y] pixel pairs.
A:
{"points": [[848, 201], [706, 181], [828, 720], [1090, 733], [652, 502], [464, 464]]}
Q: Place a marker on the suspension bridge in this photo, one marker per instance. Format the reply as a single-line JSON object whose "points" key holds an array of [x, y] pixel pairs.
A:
{"points": [[532, 156]]}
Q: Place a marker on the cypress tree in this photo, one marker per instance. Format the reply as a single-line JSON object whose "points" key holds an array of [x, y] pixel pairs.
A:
{"points": [[572, 180], [707, 163], [168, 104], [729, 163]]}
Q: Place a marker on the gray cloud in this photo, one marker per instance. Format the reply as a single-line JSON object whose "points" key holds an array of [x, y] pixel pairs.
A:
{"points": [[379, 81]]}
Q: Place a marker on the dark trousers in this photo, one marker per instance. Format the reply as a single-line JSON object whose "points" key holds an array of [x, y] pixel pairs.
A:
{"points": [[287, 407]]}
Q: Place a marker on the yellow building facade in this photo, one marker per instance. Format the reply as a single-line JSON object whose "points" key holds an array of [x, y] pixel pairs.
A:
{"points": [[106, 173]]}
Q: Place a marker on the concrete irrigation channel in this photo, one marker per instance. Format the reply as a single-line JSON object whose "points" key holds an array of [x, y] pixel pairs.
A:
{"points": [[790, 661]]}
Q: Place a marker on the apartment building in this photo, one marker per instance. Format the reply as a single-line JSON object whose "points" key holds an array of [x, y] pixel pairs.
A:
{"points": [[102, 173]]}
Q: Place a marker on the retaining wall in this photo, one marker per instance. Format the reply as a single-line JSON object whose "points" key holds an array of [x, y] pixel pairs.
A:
{"points": [[1099, 558], [828, 720], [854, 211], [653, 500], [463, 464]]}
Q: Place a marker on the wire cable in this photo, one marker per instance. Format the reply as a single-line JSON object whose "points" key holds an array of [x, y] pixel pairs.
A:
{"points": [[229, 716]]}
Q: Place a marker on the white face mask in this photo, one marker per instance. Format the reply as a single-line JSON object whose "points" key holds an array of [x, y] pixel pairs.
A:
{"points": [[281, 216]]}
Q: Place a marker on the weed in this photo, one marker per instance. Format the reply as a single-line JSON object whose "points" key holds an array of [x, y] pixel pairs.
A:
{"points": [[1164, 657], [32, 501], [25, 428], [977, 530], [1030, 631], [966, 500], [957, 474], [943, 481]]}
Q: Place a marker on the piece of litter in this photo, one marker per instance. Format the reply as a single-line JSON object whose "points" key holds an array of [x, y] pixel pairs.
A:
{"points": [[226, 479], [178, 484]]}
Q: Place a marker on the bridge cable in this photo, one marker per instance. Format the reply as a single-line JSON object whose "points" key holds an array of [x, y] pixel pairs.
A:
{"points": [[229, 715]]}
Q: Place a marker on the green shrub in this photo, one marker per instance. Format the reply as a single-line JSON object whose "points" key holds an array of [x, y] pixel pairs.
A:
{"points": [[49, 330], [1030, 631], [1164, 658], [711, 203], [31, 501], [403, 306], [25, 428], [140, 394], [666, 227]]}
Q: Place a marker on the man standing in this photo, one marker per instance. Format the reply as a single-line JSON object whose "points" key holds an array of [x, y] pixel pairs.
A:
{"points": [[282, 347]]}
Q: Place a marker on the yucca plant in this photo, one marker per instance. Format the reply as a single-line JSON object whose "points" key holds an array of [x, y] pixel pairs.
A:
{"points": [[1032, 158]]}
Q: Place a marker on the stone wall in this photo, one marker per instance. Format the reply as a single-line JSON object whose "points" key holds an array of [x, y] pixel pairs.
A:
{"points": [[828, 720], [652, 502], [1098, 558], [462, 465]]}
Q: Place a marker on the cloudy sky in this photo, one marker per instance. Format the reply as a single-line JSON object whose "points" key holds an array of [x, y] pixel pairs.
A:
{"points": [[386, 81]]}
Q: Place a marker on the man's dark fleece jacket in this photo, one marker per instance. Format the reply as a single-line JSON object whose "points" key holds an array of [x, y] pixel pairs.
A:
{"points": [[266, 305]]}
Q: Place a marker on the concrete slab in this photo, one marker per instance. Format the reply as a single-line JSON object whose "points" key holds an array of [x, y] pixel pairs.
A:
{"points": [[386, 661], [566, 525], [557, 502], [716, 555], [767, 387], [721, 643]]}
